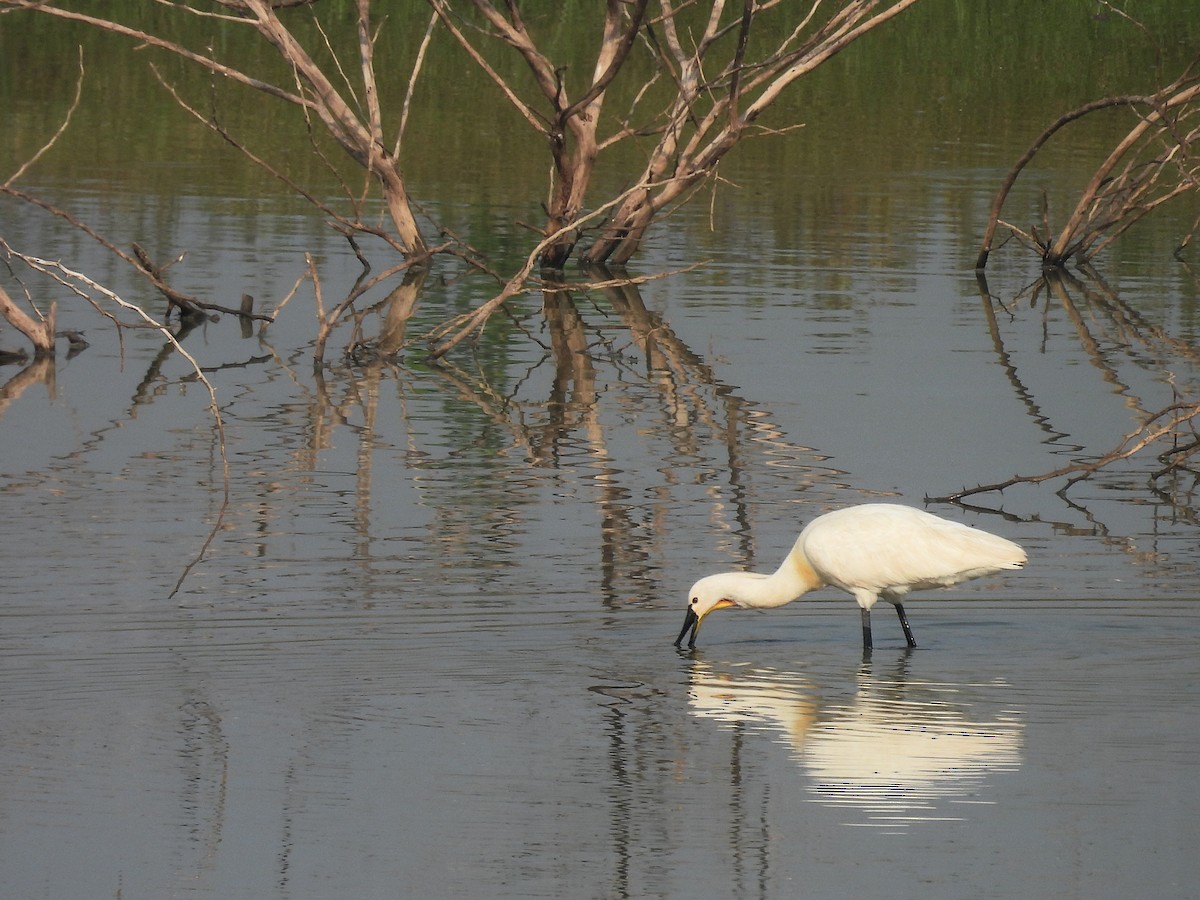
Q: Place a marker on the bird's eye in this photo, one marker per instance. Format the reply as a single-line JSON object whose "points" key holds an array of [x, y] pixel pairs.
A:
{"points": [[695, 600]]}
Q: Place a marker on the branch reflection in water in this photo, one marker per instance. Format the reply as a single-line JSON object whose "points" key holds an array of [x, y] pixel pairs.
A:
{"points": [[610, 369], [1135, 359], [897, 753]]}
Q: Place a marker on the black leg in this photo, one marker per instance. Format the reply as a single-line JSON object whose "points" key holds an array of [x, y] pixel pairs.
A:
{"points": [[908, 635], [866, 623]]}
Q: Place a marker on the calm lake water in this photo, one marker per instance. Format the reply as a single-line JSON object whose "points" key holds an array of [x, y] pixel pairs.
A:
{"points": [[427, 652]]}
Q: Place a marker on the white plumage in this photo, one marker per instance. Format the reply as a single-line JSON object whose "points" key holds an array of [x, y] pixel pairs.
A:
{"points": [[873, 551]]}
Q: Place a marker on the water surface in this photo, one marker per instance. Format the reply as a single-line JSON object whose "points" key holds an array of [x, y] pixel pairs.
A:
{"points": [[427, 650]]}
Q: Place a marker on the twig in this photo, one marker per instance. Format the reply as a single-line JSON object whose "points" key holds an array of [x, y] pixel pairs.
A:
{"points": [[418, 63], [342, 222], [61, 128]]}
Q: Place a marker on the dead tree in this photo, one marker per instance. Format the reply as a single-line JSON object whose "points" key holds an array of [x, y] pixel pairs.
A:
{"points": [[357, 128], [715, 69], [720, 91], [571, 126], [1152, 164], [719, 95]]}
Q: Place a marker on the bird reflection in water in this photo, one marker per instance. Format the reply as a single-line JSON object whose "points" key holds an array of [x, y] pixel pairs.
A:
{"points": [[897, 753]]}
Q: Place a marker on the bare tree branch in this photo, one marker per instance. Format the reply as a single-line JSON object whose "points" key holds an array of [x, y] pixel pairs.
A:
{"points": [[82, 285]]}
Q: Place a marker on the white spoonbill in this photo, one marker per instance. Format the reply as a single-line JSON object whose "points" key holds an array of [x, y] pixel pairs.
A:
{"points": [[871, 551]]}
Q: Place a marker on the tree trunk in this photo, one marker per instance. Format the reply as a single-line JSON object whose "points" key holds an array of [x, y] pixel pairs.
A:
{"points": [[574, 173], [40, 333], [623, 233], [399, 208]]}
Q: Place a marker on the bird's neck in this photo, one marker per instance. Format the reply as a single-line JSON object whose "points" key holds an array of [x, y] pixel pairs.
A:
{"points": [[790, 581]]}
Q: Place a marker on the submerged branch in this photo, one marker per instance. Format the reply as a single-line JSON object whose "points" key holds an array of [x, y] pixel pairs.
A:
{"points": [[40, 331], [1153, 429], [138, 259], [1010, 180], [1149, 166]]}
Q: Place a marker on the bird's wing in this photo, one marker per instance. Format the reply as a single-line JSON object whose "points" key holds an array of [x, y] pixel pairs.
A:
{"points": [[897, 549]]}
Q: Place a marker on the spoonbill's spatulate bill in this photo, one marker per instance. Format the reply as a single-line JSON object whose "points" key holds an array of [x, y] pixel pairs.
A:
{"points": [[873, 551]]}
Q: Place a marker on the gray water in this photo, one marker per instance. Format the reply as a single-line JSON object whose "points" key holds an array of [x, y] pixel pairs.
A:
{"points": [[428, 651], [424, 648]]}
